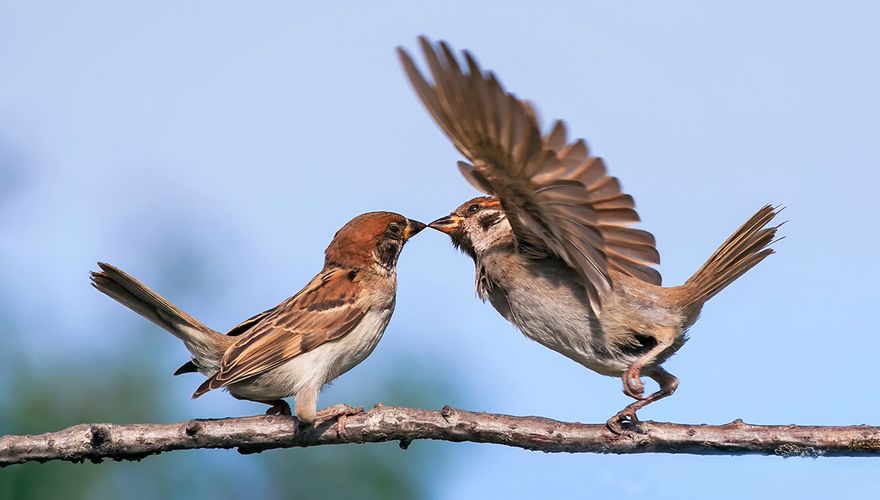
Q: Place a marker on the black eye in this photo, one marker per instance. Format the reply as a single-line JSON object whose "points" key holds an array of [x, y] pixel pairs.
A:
{"points": [[393, 228], [473, 208]]}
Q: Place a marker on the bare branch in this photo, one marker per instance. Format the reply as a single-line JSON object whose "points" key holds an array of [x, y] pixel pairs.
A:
{"points": [[96, 442]]}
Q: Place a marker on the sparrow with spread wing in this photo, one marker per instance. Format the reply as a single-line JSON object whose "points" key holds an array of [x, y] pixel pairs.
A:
{"points": [[552, 246], [303, 343]]}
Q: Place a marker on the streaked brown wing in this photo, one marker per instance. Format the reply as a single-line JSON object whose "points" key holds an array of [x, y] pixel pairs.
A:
{"points": [[325, 310], [558, 198]]}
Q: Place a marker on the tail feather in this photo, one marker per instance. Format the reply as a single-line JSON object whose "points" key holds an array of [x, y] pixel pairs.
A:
{"points": [[205, 344], [743, 250], [188, 367]]}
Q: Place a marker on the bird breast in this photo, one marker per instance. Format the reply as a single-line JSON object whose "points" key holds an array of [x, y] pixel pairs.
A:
{"points": [[544, 298], [547, 301]]}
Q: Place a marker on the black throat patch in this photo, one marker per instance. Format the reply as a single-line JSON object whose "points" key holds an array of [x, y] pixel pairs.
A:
{"points": [[387, 252], [489, 220]]}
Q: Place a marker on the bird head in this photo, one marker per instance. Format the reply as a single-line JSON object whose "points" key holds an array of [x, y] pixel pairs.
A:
{"points": [[476, 225], [371, 240]]}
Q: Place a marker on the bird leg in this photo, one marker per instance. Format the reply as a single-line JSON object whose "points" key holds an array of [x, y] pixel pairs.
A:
{"points": [[632, 382], [306, 405], [279, 407], [668, 384]]}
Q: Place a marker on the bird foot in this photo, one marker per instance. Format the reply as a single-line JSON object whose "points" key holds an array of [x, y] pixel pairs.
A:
{"points": [[632, 384], [279, 408], [624, 421]]}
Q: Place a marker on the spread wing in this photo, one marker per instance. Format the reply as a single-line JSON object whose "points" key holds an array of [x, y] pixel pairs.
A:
{"points": [[325, 310], [557, 197]]}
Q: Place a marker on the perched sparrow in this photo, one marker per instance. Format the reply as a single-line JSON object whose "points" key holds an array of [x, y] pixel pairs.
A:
{"points": [[306, 341], [552, 249]]}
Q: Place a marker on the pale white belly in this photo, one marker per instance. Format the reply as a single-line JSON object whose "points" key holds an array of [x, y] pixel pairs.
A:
{"points": [[319, 366]]}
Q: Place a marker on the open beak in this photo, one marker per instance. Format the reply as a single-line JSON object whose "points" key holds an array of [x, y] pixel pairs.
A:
{"points": [[412, 228], [447, 224]]}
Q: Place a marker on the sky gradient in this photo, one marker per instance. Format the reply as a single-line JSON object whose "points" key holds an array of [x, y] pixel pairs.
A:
{"points": [[239, 138]]}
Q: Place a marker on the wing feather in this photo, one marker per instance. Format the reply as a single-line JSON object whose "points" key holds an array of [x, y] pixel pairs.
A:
{"points": [[325, 310], [559, 199]]}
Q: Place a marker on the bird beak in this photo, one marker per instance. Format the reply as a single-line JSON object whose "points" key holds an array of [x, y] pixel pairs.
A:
{"points": [[447, 224], [412, 228]]}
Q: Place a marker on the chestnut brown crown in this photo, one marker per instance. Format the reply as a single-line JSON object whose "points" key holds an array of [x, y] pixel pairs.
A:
{"points": [[371, 238]]}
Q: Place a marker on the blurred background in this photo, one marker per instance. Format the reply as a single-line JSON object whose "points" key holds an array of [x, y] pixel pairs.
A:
{"points": [[212, 149]]}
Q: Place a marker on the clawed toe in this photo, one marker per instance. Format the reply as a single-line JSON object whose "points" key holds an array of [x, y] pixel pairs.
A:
{"points": [[632, 385], [626, 416], [279, 408]]}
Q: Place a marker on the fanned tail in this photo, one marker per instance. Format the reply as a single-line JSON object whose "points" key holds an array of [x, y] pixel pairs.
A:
{"points": [[743, 250]]}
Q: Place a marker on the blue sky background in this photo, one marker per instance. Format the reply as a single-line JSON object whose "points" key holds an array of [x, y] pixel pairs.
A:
{"points": [[237, 138]]}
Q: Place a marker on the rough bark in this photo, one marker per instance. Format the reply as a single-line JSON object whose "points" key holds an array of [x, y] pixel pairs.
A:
{"points": [[97, 442]]}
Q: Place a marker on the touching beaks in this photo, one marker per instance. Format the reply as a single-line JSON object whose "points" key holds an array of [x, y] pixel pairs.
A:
{"points": [[413, 227], [447, 224]]}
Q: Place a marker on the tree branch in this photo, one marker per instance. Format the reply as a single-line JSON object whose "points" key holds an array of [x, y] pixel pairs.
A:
{"points": [[96, 442]]}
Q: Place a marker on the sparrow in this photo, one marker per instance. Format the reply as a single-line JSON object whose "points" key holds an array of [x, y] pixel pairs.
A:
{"points": [[552, 247], [306, 341]]}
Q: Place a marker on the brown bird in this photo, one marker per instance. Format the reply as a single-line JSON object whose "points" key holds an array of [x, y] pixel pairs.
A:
{"points": [[303, 343], [552, 248]]}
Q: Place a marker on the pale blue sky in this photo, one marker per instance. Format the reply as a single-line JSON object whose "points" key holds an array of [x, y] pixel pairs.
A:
{"points": [[257, 130]]}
